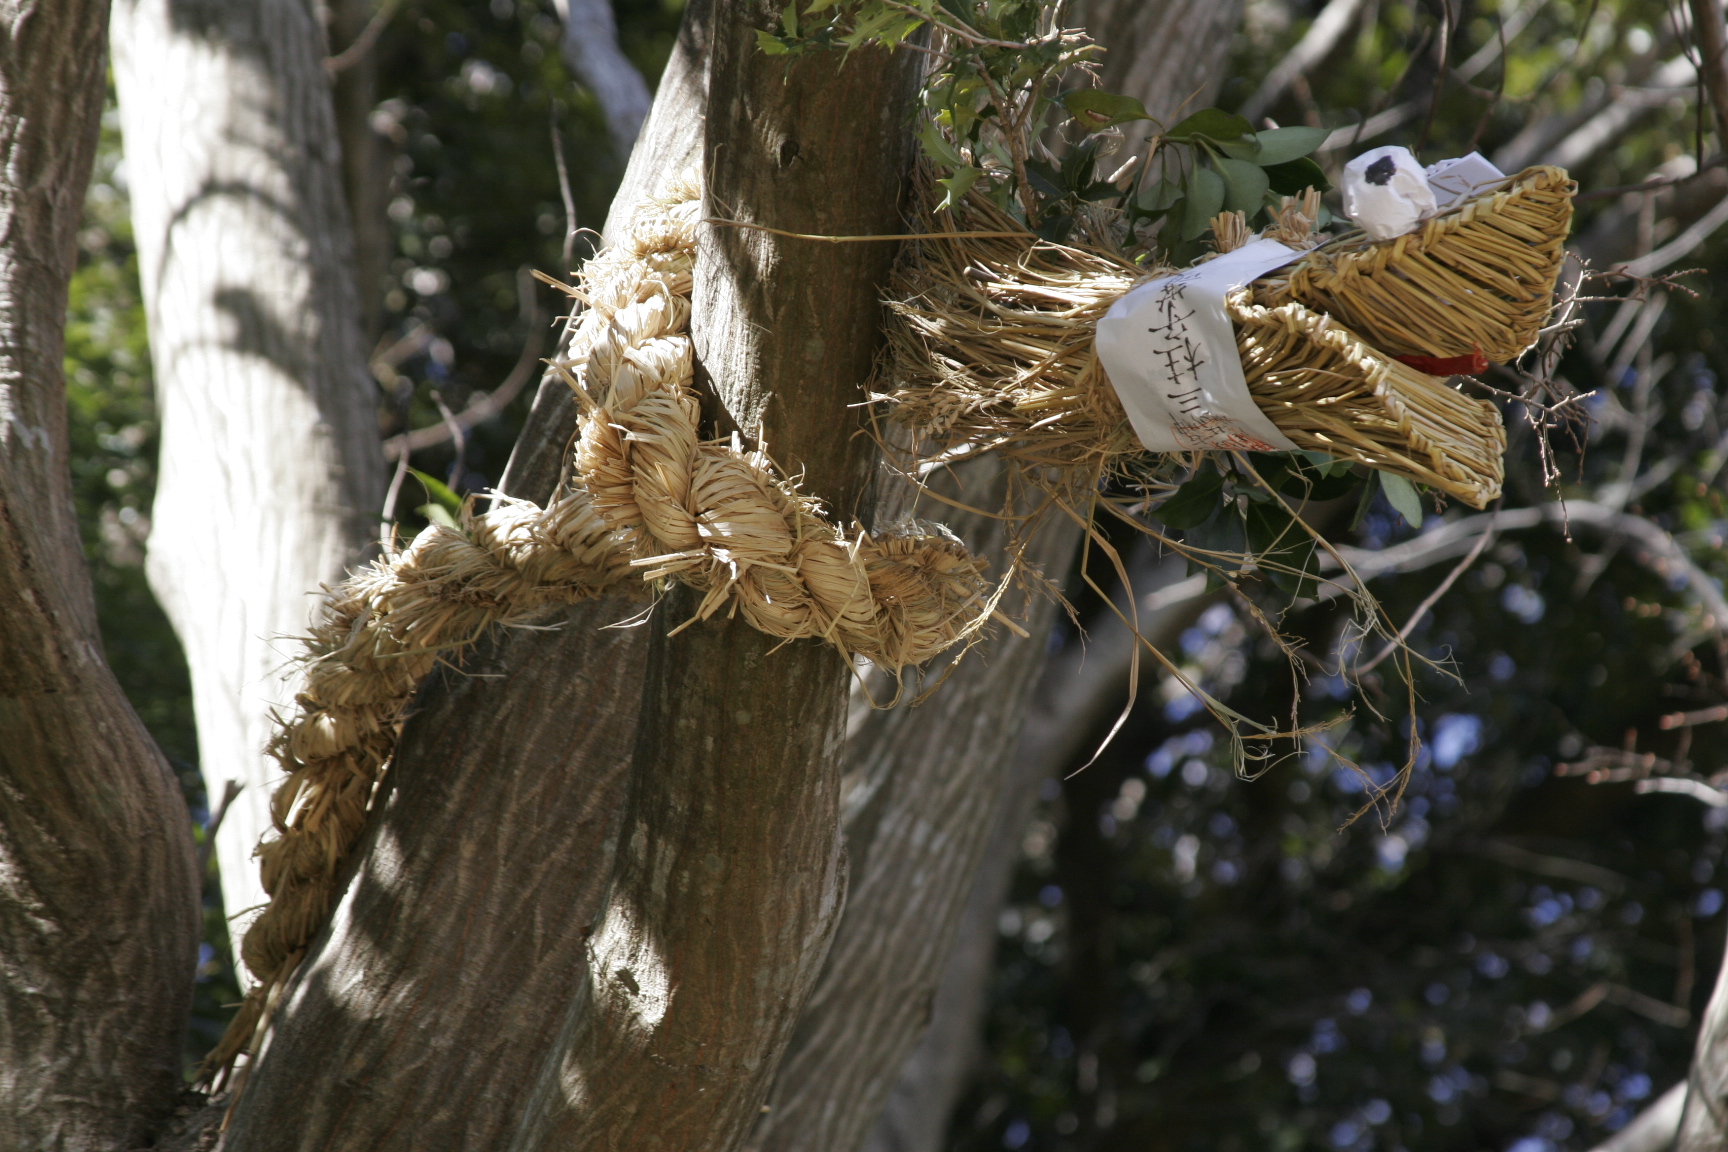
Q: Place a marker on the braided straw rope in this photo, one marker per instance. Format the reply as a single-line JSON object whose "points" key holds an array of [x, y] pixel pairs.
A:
{"points": [[650, 501], [994, 352], [1478, 278]]}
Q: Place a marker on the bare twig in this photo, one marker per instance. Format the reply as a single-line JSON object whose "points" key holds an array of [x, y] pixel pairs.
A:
{"points": [[1433, 598], [570, 229], [1691, 719], [363, 43], [483, 406], [230, 790]]}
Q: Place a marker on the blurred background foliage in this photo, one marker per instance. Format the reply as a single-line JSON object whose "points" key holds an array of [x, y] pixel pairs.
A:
{"points": [[1511, 958]]}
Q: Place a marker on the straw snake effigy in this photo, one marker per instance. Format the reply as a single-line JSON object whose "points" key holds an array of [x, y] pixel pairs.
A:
{"points": [[649, 500], [992, 349]]}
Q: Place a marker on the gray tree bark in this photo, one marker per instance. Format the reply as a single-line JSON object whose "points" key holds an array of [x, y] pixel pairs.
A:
{"points": [[98, 890], [1076, 698], [271, 475], [1170, 56], [1704, 1117], [921, 786], [728, 883]]}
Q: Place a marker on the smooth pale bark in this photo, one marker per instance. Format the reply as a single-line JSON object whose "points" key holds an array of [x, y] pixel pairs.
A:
{"points": [[729, 876], [98, 889], [921, 786], [1704, 1119], [271, 477], [590, 48], [1653, 1129]]}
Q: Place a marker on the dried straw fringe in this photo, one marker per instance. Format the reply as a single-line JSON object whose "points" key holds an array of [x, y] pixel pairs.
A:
{"points": [[1480, 278], [995, 352], [650, 501]]}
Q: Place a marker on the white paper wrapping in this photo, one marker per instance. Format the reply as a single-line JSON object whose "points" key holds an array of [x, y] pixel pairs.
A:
{"points": [[1386, 193], [1170, 352]]}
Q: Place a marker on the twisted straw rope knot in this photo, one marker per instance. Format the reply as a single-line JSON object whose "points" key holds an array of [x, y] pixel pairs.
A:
{"points": [[717, 518]]}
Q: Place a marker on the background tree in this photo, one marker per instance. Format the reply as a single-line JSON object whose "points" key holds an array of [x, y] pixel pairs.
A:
{"points": [[270, 476], [98, 924]]}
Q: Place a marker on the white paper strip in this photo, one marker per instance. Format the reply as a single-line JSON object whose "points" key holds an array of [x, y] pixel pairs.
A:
{"points": [[1455, 181], [1170, 352]]}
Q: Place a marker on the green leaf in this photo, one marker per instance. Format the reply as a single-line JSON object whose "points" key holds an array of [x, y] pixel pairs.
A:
{"points": [[1094, 109], [937, 147], [1403, 497], [1205, 200], [770, 44], [1245, 184], [438, 514], [1213, 123], [438, 491], [789, 18], [1289, 179], [956, 9], [1078, 164], [1158, 196], [1247, 148], [958, 184], [1282, 145], [1045, 180], [1193, 503]]}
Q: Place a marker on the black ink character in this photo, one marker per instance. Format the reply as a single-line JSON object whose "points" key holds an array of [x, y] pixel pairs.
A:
{"points": [[1380, 172]]}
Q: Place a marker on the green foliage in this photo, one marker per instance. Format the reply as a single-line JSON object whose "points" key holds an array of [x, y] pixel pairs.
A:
{"points": [[996, 89]]}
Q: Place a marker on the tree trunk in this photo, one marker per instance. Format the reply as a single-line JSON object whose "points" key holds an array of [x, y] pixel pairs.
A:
{"points": [[920, 787], [1170, 56], [507, 785], [671, 142], [590, 48], [366, 155], [418, 1018], [98, 893], [1072, 708], [728, 885], [271, 475]]}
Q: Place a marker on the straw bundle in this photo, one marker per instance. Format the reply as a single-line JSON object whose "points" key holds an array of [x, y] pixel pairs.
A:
{"points": [[1477, 279], [1329, 392], [650, 501], [994, 347], [994, 351]]}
